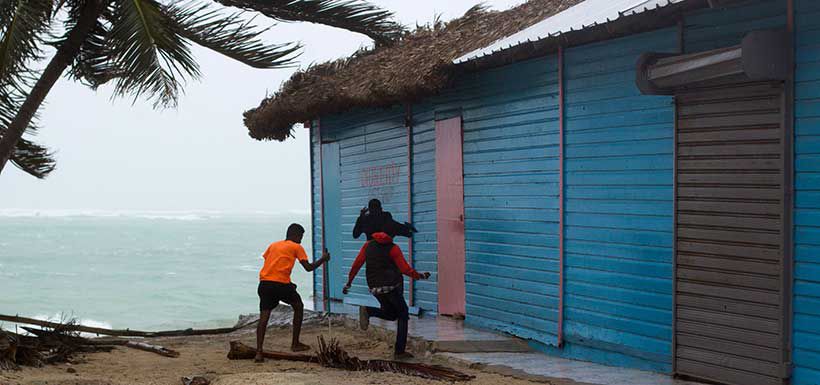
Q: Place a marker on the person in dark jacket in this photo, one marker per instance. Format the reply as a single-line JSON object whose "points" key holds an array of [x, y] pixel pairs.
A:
{"points": [[372, 219], [385, 265]]}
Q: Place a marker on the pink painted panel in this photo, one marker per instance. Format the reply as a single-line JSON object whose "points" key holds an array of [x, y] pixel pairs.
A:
{"points": [[450, 217]]}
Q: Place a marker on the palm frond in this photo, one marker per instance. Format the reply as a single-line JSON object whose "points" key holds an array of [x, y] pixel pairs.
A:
{"points": [[151, 58], [28, 156], [352, 15], [24, 24], [92, 66], [232, 35], [33, 159]]}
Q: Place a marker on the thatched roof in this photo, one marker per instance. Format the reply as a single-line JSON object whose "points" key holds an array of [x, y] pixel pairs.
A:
{"points": [[418, 65]]}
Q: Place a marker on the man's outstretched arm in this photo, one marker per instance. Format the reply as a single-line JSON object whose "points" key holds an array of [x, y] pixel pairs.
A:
{"points": [[354, 269], [315, 265]]}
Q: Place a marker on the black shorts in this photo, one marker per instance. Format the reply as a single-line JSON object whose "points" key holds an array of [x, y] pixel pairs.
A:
{"points": [[270, 293]]}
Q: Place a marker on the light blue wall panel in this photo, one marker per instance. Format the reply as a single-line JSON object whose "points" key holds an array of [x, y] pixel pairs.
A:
{"points": [[425, 257], [618, 207], [511, 196], [806, 338], [373, 146]]}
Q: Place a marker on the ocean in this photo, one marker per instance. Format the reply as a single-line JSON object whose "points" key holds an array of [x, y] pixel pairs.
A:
{"points": [[139, 270]]}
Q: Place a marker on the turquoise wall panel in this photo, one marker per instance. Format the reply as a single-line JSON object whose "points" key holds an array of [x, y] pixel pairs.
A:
{"points": [[806, 323], [511, 138], [618, 207]]}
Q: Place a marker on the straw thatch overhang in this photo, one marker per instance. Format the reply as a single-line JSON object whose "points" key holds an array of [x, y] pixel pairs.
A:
{"points": [[420, 64]]}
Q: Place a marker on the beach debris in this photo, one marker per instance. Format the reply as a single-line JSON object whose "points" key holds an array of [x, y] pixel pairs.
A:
{"points": [[53, 338], [123, 332], [331, 355], [8, 351], [19, 350], [195, 380], [240, 351], [153, 348], [60, 342]]}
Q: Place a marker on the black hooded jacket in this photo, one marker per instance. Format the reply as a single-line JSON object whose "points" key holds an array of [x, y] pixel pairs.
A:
{"points": [[370, 223]]}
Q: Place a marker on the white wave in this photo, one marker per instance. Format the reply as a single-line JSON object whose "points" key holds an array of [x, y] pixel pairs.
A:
{"points": [[62, 274], [62, 318], [183, 215], [249, 268]]}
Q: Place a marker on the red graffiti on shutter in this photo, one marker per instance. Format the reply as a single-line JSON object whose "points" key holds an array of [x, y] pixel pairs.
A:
{"points": [[379, 175]]}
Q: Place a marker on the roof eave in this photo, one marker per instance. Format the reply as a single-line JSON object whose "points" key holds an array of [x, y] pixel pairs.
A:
{"points": [[661, 17]]}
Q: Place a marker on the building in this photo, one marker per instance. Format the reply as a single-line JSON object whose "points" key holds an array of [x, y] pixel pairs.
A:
{"points": [[631, 182]]}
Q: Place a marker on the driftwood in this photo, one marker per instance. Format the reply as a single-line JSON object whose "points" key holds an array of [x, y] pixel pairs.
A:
{"points": [[60, 344], [240, 351], [331, 355], [55, 338], [153, 348], [123, 332]]}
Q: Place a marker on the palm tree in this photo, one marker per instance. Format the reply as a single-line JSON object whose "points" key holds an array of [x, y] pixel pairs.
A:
{"points": [[143, 48]]}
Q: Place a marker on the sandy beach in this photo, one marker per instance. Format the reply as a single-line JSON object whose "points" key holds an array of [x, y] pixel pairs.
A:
{"points": [[206, 356]]}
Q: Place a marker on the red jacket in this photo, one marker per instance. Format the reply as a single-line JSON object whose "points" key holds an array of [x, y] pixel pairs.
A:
{"points": [[395, 254]]}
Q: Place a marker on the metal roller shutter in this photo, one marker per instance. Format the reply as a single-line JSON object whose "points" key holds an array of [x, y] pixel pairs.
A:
{"points": [[729, 191]]}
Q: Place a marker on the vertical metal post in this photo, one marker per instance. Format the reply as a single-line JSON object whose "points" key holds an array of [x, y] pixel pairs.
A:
{"points": [[325, 289], [408, 122], [309, 127], [788, 197], [560, 339], [681, 48]]}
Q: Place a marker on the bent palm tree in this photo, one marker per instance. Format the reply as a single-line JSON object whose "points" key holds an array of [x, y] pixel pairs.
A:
{"points": [[143, 48]]}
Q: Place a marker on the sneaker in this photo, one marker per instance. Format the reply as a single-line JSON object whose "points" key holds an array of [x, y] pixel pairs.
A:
{"points": [[364, 318], [403, 356]]}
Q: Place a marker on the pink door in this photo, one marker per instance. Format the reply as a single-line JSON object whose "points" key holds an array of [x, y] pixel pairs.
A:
{"points": [[450, 217]]}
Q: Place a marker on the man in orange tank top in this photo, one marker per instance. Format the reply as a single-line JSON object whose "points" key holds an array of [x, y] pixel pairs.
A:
{"points": [[275, 284]]}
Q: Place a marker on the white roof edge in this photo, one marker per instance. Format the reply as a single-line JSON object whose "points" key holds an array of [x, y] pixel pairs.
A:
{"points": [[578, 17]]}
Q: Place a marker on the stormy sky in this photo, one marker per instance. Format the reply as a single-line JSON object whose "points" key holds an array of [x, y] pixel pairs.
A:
{"points": [[115, 155]]}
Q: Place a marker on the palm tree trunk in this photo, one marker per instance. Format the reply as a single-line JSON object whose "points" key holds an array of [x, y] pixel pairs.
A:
{"points": [[61, 60]]}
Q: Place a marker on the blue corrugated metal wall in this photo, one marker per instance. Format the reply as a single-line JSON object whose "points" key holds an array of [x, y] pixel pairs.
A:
{"points": [[806, 337], [618, 192], [618, 207], [373, 138], [510, 118], [373, 146], [717, 28], [425, 257]]}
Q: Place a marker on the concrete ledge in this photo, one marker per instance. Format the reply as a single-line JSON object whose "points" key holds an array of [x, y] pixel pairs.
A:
{"points": [[507, 346], [372, 302]]}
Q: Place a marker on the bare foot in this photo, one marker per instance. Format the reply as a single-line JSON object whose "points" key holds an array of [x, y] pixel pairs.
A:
{"points": [[299, 347], [259, 359]]}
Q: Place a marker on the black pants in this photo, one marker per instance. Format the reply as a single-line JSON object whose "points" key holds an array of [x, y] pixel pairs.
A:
{"points": [[393, 308]]}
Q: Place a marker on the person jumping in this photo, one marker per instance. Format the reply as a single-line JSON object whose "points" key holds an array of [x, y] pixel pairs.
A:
{"points": [[385, 266], [275, 284], [373, 219]]}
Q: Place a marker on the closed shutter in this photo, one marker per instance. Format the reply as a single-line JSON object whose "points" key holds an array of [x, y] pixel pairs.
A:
{"points": [[729, 187]]}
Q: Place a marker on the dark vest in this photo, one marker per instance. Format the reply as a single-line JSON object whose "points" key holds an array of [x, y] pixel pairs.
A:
{"points": [[379, 268]]}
